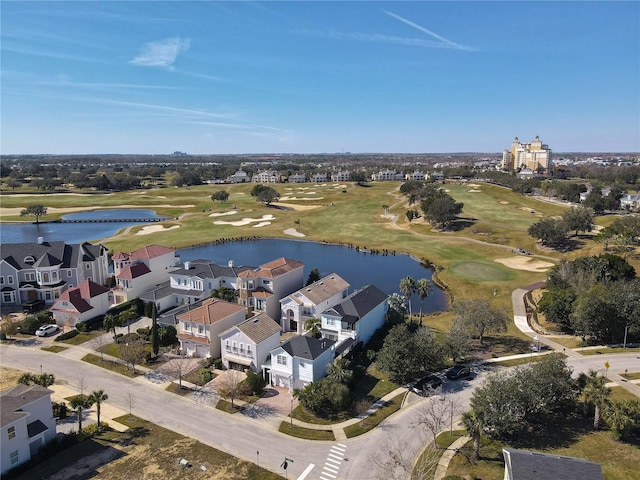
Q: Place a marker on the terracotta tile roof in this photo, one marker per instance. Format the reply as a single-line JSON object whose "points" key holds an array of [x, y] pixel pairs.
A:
{"points": [[74, 297], [89, 289], [151, 251], [194, 338], [261, 293], [134, 271], [212, 310], [272, 269]]}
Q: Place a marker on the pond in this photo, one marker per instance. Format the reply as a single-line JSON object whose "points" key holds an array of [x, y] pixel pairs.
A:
{"points": [[73, 232], [356, 267]]}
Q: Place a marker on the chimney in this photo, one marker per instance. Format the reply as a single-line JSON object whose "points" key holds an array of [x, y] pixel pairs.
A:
{"points": [[230, 263], [187, 265], [40, 240]]}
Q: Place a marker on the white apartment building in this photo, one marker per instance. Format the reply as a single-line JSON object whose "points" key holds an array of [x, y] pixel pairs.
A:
{"points": [[387, 176], [266, 176]]}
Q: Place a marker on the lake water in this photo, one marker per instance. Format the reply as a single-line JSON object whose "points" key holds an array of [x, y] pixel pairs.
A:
{"points": [[356, 267], [73, 232]]}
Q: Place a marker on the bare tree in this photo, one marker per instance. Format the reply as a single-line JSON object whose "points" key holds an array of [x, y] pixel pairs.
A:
{"points": [[230, 385], [177, 368], [10, 326], [400, 461], [435, 413], [132, 353], [98, 343], [82, 383], [131, 401]]}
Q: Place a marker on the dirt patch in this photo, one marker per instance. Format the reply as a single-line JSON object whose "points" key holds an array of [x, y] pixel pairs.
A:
{"points": [[525, 263], [9, 377]]}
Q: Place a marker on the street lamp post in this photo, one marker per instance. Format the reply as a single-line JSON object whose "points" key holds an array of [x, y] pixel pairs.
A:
{"points": [[624, 343], [291, 412]]}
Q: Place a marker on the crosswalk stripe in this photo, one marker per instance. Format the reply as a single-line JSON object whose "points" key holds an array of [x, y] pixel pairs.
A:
{"points": [[338, 448], [334, 461], [335, 456], [331, 468], [327, 473], [342, 445]]}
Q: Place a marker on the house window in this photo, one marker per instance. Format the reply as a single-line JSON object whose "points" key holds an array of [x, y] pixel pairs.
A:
{"points": [[227, 345], [242, 349], [11, 432], [306, 311], [266, 282], [87, 266], [30, 277], [331, 322], [15, 458], [200, 329], [47, 295], [1, 280], [45, 277], [282, 360], [7, 297], [235, 347], [69, 273], [10, 278], [187, 327]]}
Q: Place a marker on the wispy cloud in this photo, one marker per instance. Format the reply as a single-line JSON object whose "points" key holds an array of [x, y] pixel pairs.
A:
{"points": [[379, 38], [162, 53], [64, 81], [441, 41]]}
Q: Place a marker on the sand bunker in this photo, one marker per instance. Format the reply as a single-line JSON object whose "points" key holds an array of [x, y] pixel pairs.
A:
{"points": [[155, 229], [473, 191], [525, 263], [504, 202], [473, 185], [246, 221], [261, 224], [293, 232], [221, 214], [285, 198], [293, 206]]}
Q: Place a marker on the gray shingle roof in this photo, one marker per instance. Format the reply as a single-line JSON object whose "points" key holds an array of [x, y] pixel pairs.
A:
{"points": [[526, 465], [207, 269], [49, 253], [360, 303], [304, 346], [14, 398]]}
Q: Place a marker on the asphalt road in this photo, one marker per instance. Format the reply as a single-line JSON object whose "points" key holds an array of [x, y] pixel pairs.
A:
{"points": [[244, 437]]}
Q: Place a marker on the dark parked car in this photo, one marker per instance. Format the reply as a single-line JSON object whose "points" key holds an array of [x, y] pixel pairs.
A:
{"points": [[458, 371], [426, 385]]}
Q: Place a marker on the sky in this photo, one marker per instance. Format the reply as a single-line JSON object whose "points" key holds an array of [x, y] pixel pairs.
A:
{"points": [[207, 77]]}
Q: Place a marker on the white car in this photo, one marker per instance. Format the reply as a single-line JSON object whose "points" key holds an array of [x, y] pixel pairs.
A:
{"points": [[45, 330]]}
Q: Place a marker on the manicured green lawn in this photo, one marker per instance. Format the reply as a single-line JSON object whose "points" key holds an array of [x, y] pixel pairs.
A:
{"points": [[82, 338], [306, 433], [372, 421], [54, 348], [110, 365], [603, 350], [574, 438]]}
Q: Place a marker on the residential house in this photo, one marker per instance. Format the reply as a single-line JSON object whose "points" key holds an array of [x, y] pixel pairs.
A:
{"points": [[42, 271], [138, 271], [386, 176], [192, 282], [357, 317], [310, 301], [27, 424], [261, 289], [437, 176], [78, 304], [526, 465], [319, 178], [630, 201], [240, 176], [299, 361], [198, 329], [248, 344], [297, 178], [266, 176], [341, 176], [416, 176]]}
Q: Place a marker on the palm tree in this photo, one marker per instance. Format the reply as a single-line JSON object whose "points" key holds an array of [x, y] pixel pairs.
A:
{"points": [[339, 371], [424, 289], [312, 325], [97, 397], [80, 402], [621, 416], [407, 287], [473, 424], [596, 393], [225, 293]]}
